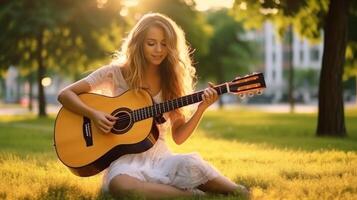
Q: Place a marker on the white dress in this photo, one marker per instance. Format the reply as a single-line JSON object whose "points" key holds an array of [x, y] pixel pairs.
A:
{"points": [[158, 164]]}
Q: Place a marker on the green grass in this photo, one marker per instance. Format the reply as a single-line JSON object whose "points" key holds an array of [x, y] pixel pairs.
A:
{"points": [[276, 155], [293, 131]]}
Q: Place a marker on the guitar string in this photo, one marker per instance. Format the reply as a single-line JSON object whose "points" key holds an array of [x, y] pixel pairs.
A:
{"points": [[147, 112]]}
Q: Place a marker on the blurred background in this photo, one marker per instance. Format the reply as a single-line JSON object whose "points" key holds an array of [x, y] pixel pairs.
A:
{"points": [[270, 143], [46, 45]]}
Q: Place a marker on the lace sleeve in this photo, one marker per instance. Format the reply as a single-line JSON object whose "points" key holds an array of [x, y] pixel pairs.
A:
{"points": [[101, 80]]}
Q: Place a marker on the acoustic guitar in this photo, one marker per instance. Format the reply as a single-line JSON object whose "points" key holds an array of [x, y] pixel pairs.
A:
{"points": [[86, 151]]}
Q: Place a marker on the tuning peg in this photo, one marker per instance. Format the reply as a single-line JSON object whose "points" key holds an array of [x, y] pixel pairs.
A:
{"points": [[242, 96], [259, 92], [250, 94]]}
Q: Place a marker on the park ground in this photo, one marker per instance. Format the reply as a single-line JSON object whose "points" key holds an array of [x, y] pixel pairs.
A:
{"points": [[276, 155]]}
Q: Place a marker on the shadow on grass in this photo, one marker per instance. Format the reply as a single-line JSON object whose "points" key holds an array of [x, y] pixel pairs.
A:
{"points": [[292, 131], [24, 135], [29, 134]]}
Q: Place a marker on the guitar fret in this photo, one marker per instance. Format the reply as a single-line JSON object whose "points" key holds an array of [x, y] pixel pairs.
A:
{"points": [[157, 111], [167, 105]]}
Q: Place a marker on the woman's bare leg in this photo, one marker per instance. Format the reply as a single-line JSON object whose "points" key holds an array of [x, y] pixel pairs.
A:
{"points": [[124, 184], [223, 185]]}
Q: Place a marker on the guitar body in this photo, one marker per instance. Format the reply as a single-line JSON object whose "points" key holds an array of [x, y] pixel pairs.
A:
{"points": [[85, 150]]}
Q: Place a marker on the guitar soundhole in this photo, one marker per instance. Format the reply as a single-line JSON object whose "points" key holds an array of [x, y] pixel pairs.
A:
{"points": [[124, 122]]}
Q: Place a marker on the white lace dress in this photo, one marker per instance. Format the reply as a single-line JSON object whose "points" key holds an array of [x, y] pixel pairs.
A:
{"points": [[158, 164]]}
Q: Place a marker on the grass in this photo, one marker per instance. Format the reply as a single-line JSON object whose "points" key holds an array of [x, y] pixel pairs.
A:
{"points": [[276, 155]]}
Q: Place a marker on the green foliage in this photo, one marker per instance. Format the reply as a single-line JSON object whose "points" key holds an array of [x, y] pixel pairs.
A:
{"points": [[351, 50], [61, 35], [307, 18], [229, 53], [74, 33]]}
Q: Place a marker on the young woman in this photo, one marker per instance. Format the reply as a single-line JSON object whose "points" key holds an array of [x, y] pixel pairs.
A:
{"points": [[156, 58]]}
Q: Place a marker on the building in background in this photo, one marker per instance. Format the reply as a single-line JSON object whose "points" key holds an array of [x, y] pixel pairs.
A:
{"points": [[306, 60]]}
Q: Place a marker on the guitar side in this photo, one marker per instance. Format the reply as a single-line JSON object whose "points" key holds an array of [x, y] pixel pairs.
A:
{"points": [[85, 150]]}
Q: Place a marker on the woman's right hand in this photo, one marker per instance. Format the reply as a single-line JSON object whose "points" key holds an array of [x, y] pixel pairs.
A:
{"points": [[103, 121]]}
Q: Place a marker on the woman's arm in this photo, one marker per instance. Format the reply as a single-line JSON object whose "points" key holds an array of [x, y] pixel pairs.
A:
{"points": [[68, 97], [182, 130]]}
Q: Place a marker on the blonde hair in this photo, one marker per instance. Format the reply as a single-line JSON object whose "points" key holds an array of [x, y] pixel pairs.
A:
{"points": [[178, 76]]}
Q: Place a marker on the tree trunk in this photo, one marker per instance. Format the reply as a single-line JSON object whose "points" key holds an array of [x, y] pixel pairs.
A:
{"points": [[3, 88], [40, 76], [331, 119], [30, 77], [18, 89], [291, 70]]}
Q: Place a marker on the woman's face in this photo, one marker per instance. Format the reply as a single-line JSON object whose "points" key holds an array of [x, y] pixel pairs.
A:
{"points": [[155, 49]]}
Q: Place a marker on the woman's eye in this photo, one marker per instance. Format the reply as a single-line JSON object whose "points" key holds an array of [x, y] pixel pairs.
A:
{"points": [[163, 44], [151, 44]]}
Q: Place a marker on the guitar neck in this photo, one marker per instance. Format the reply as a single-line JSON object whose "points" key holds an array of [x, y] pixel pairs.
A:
{"points": [[160, 108]]}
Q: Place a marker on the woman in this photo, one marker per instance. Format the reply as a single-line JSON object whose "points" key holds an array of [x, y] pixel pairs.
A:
{"points": [[156, 58]]}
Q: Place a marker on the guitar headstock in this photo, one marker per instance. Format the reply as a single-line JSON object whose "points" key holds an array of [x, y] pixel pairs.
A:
{"points": [[249, 84]]}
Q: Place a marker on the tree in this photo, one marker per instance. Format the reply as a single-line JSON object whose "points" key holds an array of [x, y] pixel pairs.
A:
{"points": [[229, 53], [308, 18], [331, 120], [60, 34]]}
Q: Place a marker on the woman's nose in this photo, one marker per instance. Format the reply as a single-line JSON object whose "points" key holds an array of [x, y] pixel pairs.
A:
{"points": [[158, 48]]}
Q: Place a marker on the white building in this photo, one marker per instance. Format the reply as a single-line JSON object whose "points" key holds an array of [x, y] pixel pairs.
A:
{"points": [[305, 56]]}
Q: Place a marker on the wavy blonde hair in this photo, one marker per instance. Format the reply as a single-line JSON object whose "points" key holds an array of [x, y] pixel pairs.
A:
{"points": [[178, 76]]}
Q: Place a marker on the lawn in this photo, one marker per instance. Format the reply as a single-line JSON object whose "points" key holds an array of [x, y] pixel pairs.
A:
{"points": [[276, 155]]}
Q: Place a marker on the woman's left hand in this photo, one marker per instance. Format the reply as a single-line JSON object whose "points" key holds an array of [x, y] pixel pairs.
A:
{"points": [[209, 96]]}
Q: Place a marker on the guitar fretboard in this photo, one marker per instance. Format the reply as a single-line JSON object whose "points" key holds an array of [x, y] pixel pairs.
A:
{"points": [[160, 108]]}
